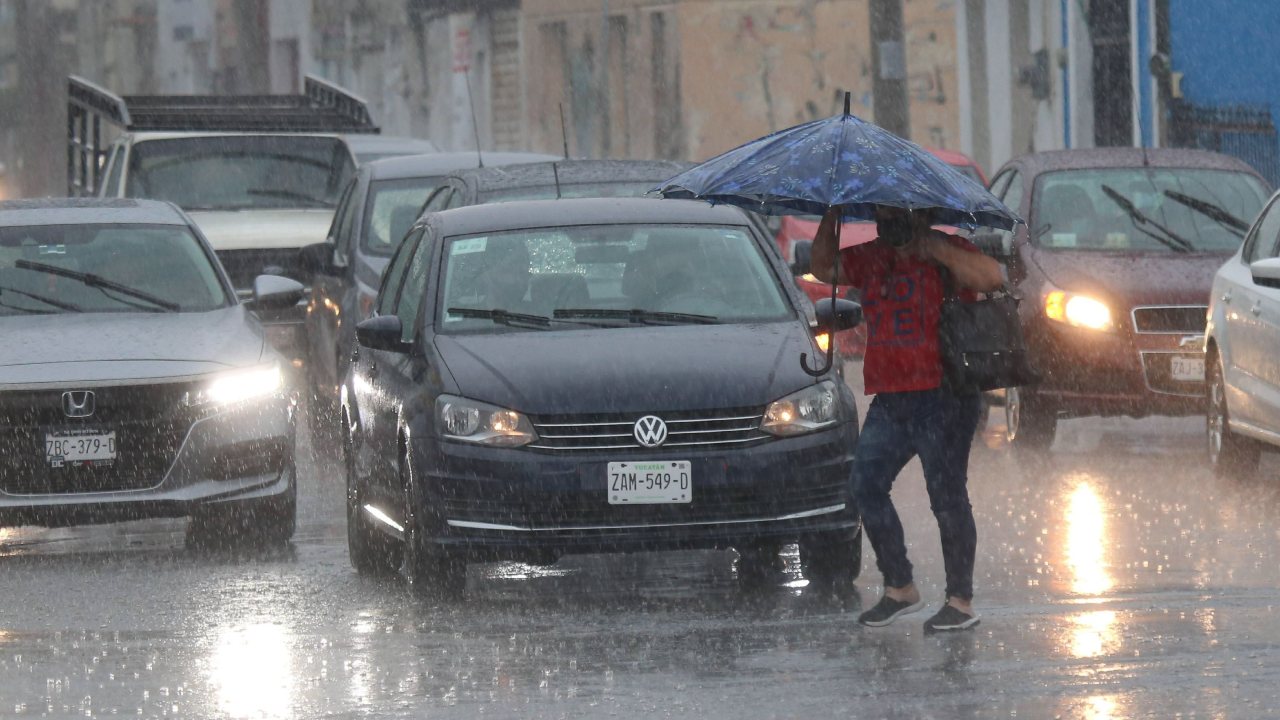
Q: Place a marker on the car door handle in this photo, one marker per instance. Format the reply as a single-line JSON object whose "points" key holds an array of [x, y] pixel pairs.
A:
{"points": [[1226, 297], [373, 371], [1257, 308]]}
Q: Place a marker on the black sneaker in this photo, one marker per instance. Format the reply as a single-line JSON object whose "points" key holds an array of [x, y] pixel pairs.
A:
{"points": [[888, 610], [949, 619]]}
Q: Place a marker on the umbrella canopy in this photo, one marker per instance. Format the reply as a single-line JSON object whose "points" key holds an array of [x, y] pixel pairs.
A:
{"points": [[842, 160]]}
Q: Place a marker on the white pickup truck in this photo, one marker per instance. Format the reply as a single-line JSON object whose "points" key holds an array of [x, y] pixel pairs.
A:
{"points": [[259, 174]]}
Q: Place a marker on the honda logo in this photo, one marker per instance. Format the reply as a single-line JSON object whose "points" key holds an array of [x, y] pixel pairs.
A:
{"points": [[650, 431], [78, 403]]}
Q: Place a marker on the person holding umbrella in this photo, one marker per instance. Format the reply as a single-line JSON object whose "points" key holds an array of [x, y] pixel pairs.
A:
{"points": [[845, 168], [902, 276]]}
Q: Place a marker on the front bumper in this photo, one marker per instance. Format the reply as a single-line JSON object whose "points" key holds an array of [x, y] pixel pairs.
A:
{"points": [[241, 455], [1088, 372], [502, 503]]}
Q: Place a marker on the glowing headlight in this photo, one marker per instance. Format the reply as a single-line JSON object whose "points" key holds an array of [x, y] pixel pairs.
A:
{"points": [[1077, 310], [239, 386], [810, 409], [477, 422]]}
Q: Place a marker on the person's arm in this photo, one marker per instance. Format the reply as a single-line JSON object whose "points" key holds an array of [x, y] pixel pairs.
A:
{"points": [[824, 257], [972, 270]]}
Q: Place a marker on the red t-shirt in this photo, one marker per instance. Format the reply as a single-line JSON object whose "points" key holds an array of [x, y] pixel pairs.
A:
{"points": [[901, 306]]}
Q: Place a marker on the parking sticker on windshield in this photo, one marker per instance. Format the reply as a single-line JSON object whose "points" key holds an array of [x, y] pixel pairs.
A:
{"points": [[468, 246]]}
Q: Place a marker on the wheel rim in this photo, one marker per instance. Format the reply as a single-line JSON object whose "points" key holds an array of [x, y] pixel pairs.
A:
{"points": [[1012, 413], [1216, 417]]}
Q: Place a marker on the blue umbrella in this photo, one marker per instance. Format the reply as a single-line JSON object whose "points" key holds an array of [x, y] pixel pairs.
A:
{"points": [[841, 160]]}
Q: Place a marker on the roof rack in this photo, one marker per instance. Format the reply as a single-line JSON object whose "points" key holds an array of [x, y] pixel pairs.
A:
{"points": [[321, 108]]}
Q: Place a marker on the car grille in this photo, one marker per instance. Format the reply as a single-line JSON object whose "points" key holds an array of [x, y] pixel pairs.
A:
{"points": [[592, 510], [703, 430], [1180, 320], [150, 422], [245, 265]]}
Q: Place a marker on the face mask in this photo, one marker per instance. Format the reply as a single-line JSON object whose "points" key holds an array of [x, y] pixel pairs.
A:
{"points": [[895, 230]]}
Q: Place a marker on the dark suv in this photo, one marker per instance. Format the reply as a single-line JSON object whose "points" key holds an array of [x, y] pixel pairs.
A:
{"points": [[1114, 268], [547, 180], [374, 212]]}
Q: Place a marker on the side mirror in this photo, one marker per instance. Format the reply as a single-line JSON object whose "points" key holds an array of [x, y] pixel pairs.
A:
{"points": [[802, 255], [1266, 272], [383, 332], [272, 292], [837, 316], [998, 245], [316, 258]]}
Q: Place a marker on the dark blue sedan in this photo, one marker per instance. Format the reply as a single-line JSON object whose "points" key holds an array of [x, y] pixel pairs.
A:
{"points": [[589, 375]]}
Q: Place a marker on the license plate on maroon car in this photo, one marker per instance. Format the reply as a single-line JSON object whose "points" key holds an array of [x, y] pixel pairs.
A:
{"points": [[1187, 369], [650, 483]]}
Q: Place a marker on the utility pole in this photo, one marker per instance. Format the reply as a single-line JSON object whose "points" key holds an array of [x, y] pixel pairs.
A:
{"points": [[889, 68]]}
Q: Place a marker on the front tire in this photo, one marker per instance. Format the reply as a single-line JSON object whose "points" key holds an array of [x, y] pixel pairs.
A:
{"points": [[373, 553], [1029, 424], [430, 570], [831, 559], [1230, 455]]}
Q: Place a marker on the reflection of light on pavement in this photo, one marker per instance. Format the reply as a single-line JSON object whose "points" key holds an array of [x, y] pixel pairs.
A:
{"points": [[252, 671], [1086, 541], [1094, 633], [1100, 707]]}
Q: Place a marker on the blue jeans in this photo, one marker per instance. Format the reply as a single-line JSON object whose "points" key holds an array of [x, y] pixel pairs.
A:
{"points": [[938, 426]]}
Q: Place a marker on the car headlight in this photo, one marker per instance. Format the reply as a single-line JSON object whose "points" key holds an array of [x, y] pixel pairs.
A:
{"points": [[239, 386], [473, 421], [1077, 310], [807, 410]]}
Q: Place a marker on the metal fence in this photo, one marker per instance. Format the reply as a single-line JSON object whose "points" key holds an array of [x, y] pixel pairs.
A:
{"points": [[1246, 132]]}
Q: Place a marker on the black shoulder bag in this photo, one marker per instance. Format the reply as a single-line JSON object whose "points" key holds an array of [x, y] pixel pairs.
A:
{"points": [[981, 342]]}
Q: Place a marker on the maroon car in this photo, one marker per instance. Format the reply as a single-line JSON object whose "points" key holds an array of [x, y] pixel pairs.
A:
{"points": [[1114, 269]]}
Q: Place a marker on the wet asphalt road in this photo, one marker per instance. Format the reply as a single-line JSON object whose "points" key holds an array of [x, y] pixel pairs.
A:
{"points": [[1117, 579]]}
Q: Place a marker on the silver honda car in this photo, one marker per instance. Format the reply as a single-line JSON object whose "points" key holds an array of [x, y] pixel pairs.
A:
{"points": [[133, 384]]}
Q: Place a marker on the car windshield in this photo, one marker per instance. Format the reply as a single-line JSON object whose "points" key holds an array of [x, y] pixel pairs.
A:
{"points": [[1144, 209], [570, 190], [392, 207], [615, 274], [105, 268], [240, 172]]}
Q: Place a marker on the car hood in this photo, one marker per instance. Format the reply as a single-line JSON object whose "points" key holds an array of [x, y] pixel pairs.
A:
{"points": [[92, 347], [262, 229], [630, 369], [1133, 279]]}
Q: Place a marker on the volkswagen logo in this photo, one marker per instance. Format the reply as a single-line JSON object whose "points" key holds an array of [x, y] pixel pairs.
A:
{"points": [[81, 404], [650, 431]]}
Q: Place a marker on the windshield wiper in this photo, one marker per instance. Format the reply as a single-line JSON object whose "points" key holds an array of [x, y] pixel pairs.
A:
{"points": [[637, 316], [1212, 211], [100, 283], [506, 317], [41, 298], [288, 195], [1169, 239]]}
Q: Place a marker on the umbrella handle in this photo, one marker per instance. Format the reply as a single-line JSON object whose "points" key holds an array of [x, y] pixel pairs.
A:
{"points": [[831, 338], [819, 372]]}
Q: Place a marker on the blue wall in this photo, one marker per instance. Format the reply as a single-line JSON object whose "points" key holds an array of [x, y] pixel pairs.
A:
{"points": [[1229, 54], [1227, 50]]}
